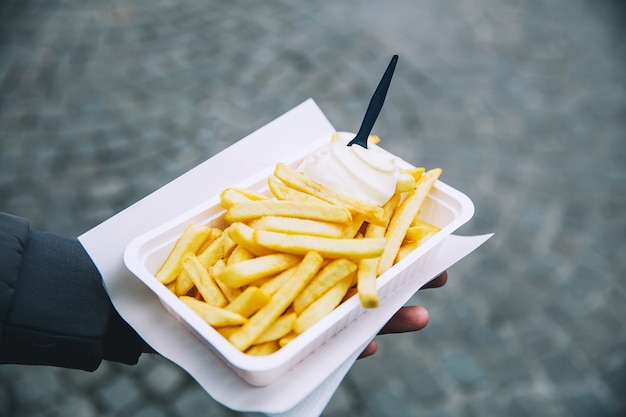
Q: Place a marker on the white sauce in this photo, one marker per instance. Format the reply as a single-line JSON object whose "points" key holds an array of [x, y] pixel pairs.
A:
{"points": [[368, 174]]}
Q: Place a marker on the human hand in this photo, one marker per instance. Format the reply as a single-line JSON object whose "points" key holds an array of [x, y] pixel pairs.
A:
{"points": [[407, 319]]}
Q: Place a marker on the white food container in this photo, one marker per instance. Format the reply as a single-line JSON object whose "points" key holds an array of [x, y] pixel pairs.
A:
{"points": [[444, 207]]}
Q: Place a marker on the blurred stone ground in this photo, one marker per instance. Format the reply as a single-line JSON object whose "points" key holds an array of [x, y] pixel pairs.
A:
{"points": [[522, 103]]}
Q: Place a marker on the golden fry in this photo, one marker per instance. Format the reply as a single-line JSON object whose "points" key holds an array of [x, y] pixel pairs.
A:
{"points": [[215, 316], [402, 218], [367, 273], [355, 227], [370, 212], [220, 248], [285, 208], [327, 278], [322, 306], [419, 229], [214, 234], [414, 172], [259, 282], [190, 241], [405, 250], [226, 331], [266, 316], [203, 281], [336, 137], [405, 183], [366, 283], [231, 196], [283, 192], [249, 302], [299, 226], [373, 230], [243, 234], [245, 272], [327, 247], [276, 282], [230, 293], [287, 338], [281, 327], [239, 254], [183, 283], [263, 349], [410, 245]]}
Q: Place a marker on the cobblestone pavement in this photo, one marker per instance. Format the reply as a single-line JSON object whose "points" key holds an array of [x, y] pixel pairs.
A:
{"points": [[522, 103]]}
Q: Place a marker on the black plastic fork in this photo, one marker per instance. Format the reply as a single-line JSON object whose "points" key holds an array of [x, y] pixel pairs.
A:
{"points": [[376, 103]]}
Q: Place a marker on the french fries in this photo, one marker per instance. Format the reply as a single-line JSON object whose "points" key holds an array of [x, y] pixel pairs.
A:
{"points": [[245, 272], [243, 235], [193, 237], [403, 217], [328, 277], [253, 328], [315, 211], [297, 226], [249, 302], [281, 328], [370, 212], [367, 273], [288, 258], [215, 316], [366, 283], [204, 282], [322, 306], [328, 247], [232, 196]]}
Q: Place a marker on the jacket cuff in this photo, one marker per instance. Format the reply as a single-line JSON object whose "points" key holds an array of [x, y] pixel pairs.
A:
{"points": [[60, 313]]}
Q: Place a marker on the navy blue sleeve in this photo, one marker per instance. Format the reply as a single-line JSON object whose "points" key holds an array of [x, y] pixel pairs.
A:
{"points": [[54, 309]]}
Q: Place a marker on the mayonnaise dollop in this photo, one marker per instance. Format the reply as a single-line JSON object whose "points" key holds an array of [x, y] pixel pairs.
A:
{"points": [[368, 174]]}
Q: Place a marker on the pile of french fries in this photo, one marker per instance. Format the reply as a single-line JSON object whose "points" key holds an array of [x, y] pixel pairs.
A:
{"points": [[286, 259]]}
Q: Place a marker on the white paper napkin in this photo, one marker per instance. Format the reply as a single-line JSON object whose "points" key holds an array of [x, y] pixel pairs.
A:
{"points": [[305, 390], [453, 249]]}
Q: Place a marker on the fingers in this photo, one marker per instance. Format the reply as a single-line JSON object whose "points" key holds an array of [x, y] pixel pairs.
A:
{"points": [[369, 350], [407, 319], [437, 282]]}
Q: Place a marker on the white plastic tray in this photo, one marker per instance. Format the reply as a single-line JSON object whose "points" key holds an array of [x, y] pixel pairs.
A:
{"points": [[445, 207]]}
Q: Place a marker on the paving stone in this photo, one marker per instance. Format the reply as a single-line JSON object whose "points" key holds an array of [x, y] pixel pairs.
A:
{"points": [[74, 406], [150, 411], [535, 405], [616, 378], [37, 385], [464, 368], [587, 404], [193, 402], [426, 392], [119, 394], [562, 369], [513, 373], [163, 378], [484, 406], [5, 401], [385, 403]]}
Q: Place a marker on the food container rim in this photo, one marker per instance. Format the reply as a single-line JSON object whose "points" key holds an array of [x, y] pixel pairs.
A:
{"points": [[140, 248]]}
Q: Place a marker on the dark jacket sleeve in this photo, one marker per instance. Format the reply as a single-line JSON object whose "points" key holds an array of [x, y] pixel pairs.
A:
{"points": [[53, 306]]}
